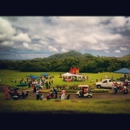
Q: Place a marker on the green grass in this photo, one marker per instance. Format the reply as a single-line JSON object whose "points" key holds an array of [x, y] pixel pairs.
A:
{"points": [[99, 106], [11, 75], [104, 106]]}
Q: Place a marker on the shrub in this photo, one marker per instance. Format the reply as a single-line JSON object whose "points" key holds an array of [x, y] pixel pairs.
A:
{"points": [[100, 90]]}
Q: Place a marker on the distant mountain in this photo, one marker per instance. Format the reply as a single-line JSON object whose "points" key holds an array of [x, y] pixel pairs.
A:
{"points": [[125, 57], [67, 54], [78, 55]]}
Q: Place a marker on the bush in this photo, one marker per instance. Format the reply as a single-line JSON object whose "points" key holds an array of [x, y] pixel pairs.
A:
{"points": [[100, 90], [68, 91]]}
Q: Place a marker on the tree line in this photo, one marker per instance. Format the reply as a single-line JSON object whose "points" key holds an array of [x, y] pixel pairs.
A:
{"points": [[87, 63]]}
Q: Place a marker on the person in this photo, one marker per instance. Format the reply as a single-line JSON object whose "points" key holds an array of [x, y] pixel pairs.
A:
{"points": [[60, 96], [126, 82], [22, 95], [112, 78], [85, 90], [7, 93], [55, 91], [37, 85], [52, 80], [40, 95], [115, 84], [82, 92], [51, 94], [47, 84], [48, 97], [34, 86], [37, 94], [120, 87], [15, 92], [63, 94], [29, 83], [63, 91]]}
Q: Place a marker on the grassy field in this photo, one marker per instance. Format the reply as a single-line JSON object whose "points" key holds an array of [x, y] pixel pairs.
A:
{"points": [[104, 106], [79, 106], [10, 75]]}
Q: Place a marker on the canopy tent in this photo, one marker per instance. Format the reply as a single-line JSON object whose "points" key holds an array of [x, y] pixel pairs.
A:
{"points": [[67, 74], [45, 74], [123, 71], [34, 77], [77, 75]]}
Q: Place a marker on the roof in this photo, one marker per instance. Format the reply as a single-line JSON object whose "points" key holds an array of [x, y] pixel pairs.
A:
{"points": [[85, 85], [123, 71]]}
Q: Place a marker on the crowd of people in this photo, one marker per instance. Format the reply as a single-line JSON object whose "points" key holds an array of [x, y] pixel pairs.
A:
{"points": [[40, 83], [75, 78], [11, 93], [46, 81], [117, 87], [53, 94]]}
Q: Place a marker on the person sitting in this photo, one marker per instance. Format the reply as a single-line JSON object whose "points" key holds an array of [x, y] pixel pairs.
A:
{"points": [[85, 90], [51, 94], [22, 95], [82, 92], [48, 97], [15, 92]]}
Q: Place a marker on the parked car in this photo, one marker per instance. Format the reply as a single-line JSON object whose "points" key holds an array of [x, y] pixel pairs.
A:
{"points": [[106, 83]]}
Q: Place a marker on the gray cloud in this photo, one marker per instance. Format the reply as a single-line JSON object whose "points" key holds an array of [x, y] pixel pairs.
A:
{"points": [[50, 35]]}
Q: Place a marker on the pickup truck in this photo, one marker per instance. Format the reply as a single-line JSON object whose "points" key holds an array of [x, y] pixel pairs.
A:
{"points": [[106, 83]]}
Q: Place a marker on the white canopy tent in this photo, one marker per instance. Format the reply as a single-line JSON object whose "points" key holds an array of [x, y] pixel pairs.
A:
{"points": [[77, 75], [67, 74]]}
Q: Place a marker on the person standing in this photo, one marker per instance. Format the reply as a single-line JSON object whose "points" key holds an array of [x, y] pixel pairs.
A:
{"points": [[7, 93], [63, 94], [126, 82], [115, 88], [49, 84], [112, 78], [55, 91], [37, 94], [40, 95], [46, 84]]}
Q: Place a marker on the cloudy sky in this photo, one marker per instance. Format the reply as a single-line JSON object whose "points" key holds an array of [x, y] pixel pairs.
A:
{"points": [[38, 37]]}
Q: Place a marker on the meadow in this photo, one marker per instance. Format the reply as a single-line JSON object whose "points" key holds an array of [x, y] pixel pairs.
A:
{"points": [[104, 106], [7, 76], [96, 106]]}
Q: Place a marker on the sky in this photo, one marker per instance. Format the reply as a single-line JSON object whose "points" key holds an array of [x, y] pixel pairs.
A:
{"points": [[42, 36]]}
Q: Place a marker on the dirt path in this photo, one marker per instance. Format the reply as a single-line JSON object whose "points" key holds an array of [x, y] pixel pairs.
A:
{"points": [[32, 95]]}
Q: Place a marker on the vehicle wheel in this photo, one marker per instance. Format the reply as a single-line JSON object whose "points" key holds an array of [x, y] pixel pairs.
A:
{"points": [[126, 92], [89, 96], [77, 95], [98, 86]]}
